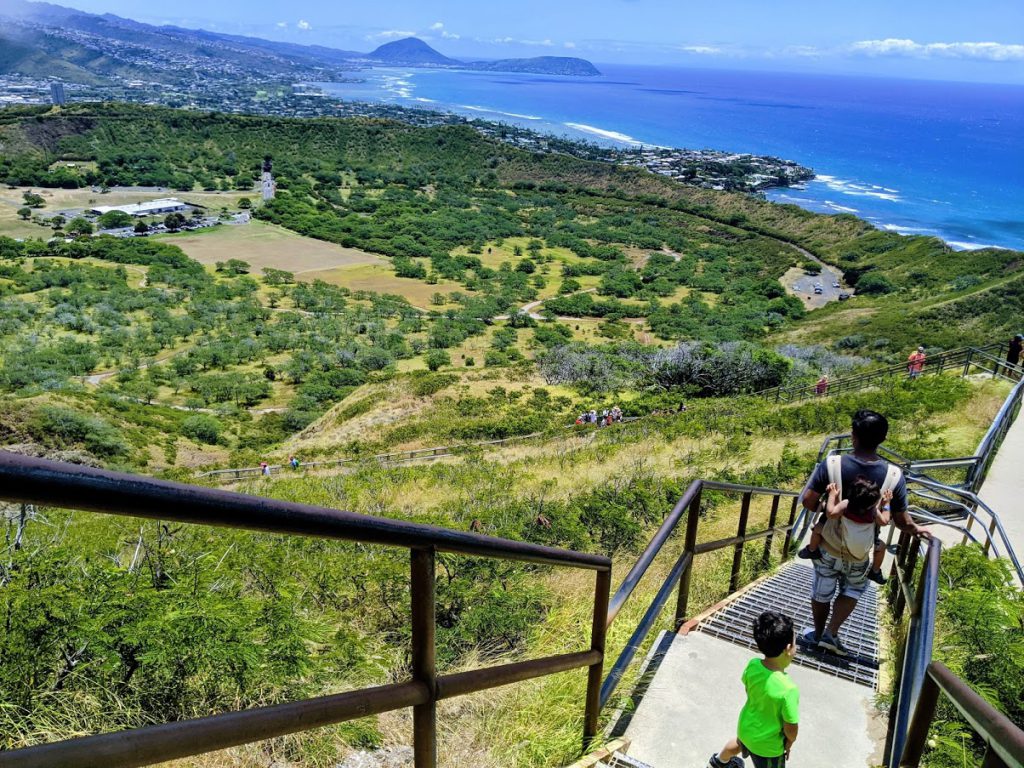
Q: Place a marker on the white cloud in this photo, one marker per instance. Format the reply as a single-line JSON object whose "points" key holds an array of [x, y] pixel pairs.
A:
{"points": [[893, 46], [704, 50], [391, 34], [437, 26], [282, 25], [569, 44], [303, 25]]}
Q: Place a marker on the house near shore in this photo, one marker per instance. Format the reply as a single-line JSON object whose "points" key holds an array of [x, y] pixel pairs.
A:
{"points": [[152, 208]]}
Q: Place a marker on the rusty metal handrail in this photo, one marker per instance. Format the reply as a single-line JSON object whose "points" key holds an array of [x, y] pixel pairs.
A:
{"points": [[680, 574], [1004, 740], [39, 481], [51, 483]]}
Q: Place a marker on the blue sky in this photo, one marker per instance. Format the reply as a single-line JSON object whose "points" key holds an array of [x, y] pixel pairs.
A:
{"points": [[941, 39]]}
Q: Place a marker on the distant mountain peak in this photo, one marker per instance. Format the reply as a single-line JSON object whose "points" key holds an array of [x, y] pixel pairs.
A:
{"points": [[409, 50]]}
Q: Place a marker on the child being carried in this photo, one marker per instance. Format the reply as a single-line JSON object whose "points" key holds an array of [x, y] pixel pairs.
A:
{"points": [[867, 503]]}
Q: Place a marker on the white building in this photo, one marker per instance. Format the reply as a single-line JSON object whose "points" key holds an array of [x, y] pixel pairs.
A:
{"points": [[152, 208]]}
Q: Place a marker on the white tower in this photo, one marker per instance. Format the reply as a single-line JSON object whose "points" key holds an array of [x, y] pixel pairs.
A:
{"points": [[267, 186]]}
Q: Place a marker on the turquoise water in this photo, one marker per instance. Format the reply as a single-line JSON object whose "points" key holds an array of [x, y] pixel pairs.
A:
{"points": [[915, 157]]}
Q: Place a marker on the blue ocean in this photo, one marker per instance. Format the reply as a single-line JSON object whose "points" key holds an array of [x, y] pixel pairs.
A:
{"points": [[914, 157]]}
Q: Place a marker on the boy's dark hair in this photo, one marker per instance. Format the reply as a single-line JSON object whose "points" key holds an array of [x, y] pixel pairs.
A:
{"points": [[870, 428], [864, 494], [773, 631]]}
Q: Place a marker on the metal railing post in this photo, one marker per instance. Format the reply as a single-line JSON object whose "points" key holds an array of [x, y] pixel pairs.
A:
{"points": [[772, 518], [595, 673], [788, 543], [924, 713], [737, 556], [689, 543], [967, 362], [424, 670]]}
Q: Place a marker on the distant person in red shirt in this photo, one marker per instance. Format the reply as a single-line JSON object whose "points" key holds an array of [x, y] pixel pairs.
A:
{"points": [[821, 388], [915, 363]]}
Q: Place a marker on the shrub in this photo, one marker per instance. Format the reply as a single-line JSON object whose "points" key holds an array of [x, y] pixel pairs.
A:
{"points": [[875, 284], [65, 427], [202, 428]]}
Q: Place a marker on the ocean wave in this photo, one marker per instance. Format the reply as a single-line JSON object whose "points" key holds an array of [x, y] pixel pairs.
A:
{"points": [[844, 187], [902, 230], [499, 112], [613, 135], [960, 245], [841, 208]]}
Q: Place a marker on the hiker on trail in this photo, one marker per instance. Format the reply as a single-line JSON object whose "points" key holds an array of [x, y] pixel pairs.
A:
{"points": [[264, 469], [767, 724], [915, 363], [294, 461], [1016, 346], [821, 388], [846, 544], [593, 416]]}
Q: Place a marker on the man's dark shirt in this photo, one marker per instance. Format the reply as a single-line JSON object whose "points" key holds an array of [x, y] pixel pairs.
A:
{"points": [[851, 467]]}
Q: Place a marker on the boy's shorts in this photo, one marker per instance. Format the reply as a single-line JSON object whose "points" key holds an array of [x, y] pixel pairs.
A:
{"points": [[831, 573], [763, 762]]}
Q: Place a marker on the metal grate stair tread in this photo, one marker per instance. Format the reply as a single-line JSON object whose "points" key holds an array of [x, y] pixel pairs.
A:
{"points": [[620, 760], [789, 591]]}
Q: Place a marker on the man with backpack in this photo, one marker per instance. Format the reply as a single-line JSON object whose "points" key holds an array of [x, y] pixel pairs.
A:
{"points": [[847, 542]]}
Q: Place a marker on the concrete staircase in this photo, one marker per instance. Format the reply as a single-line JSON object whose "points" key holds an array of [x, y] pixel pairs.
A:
{"points": [[687, 705]]}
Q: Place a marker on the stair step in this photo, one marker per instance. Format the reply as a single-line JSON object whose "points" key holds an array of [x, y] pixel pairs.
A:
{"points": [[620, 760]]}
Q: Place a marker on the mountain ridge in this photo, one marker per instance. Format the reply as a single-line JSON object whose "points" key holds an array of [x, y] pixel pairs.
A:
{"points": [[47, 40]]}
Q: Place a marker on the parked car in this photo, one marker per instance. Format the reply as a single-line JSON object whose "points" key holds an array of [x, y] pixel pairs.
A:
{"points": [[818, 289], [844, 296], [835, 285]]}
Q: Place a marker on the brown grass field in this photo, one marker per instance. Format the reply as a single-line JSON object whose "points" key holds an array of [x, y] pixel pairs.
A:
{"points": [[268, 245], [377, 277]]}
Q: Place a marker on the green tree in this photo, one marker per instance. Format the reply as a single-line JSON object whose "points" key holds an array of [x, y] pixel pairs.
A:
{"points": [[174, 221], [245, 203], [437, 358], [57, 222], [32, 200], [114, 220], [25, 213], [79, 226]]}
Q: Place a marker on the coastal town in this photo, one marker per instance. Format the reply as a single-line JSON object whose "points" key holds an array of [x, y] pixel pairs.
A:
{"points": [[706, 168]]}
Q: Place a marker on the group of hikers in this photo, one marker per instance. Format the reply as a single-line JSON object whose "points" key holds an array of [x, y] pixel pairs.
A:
{"points": [[604, 419], [854, 496], [293, 462]]}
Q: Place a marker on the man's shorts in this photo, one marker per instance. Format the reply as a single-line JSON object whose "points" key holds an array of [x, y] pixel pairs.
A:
{"points": [[763, 762], [831, 573]]}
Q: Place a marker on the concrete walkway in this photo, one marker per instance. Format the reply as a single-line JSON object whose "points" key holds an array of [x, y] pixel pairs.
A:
{"points": [[1003, 489], [691, 707], [694, 693]]}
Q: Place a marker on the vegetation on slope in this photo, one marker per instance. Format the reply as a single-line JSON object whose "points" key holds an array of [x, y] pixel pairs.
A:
{"points": [[164, 621]]}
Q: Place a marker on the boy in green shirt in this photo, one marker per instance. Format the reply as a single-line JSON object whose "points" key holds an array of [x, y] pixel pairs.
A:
{"points": [[768, 721]]}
